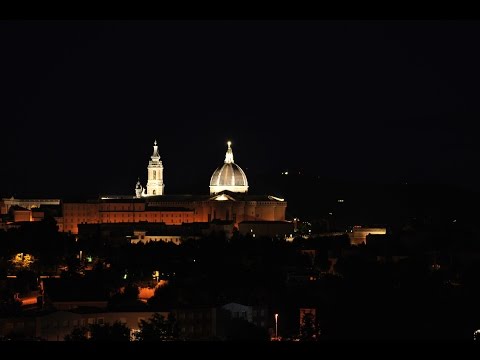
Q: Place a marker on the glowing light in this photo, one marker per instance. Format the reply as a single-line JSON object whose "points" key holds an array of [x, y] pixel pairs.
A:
{"points": [[22, 261], [276, 326], [275, 198], [222, 197], [340, 200]]}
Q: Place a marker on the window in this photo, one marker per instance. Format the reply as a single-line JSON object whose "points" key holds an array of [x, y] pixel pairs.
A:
{"points": [[154, 175], [100, 321]]}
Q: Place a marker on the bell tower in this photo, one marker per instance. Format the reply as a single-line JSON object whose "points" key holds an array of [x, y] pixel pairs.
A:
{"points": [[155, 183]]}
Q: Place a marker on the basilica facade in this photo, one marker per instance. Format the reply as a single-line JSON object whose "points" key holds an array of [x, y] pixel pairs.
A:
{"points": [[228, 200]]}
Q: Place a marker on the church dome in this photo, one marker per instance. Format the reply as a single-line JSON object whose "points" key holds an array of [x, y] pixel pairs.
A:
{"points": [[229, 176]]}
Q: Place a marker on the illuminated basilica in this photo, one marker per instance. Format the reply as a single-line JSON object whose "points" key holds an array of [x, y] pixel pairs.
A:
{"points": [[228, 201]]}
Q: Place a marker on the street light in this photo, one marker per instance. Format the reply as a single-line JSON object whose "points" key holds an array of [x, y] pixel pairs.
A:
{"points": [[276, 326]]}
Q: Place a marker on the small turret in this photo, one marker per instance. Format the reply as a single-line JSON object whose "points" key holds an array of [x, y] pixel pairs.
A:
{"points": [[138, 189]]}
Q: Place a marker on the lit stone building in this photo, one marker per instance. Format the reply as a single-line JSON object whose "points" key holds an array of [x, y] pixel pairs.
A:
{"points": [[228, 200], [359, 234], [7, 203]]}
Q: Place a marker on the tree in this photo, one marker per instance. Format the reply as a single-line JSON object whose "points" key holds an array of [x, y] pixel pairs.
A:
{"points": [[158, 329], [103, 332], [78, 334], [308, 329], [127, 298], [106, 332]]}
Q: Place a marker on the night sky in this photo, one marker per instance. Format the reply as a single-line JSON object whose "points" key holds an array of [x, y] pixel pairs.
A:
{"points": [[386, 101]]}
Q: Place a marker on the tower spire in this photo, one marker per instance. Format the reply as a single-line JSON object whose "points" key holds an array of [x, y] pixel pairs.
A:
{"points": [[229, 154], [155, 155], [155, 185]]}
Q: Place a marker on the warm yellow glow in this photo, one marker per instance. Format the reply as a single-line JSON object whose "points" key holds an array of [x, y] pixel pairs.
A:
{"points": [[22, 261], [229, 143], [222, 197]]}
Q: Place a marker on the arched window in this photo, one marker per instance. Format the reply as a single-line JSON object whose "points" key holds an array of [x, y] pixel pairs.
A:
{"points": [[154, 174], [154, 192]]}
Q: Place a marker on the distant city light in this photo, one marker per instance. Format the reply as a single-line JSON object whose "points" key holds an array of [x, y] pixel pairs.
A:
{"points": [[340, 200], [455, 220], [330, 213], [285, 173]]}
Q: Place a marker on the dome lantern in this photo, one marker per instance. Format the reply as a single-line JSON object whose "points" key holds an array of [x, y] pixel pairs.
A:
{"points": [[229, 176]]}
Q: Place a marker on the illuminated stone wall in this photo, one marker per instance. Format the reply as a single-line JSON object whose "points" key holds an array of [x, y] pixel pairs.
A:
{"points": [[6, 204], [178, 212], [359, 235]]}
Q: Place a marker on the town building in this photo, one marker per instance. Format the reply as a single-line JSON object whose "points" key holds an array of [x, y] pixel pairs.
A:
{"points": [[228, 201]]}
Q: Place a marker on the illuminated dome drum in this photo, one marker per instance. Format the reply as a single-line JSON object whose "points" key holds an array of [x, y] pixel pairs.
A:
{"points": [[229, 176]]}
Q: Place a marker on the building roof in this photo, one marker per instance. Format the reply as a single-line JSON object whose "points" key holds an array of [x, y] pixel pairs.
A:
{"points": [[168, 208], [229, 176], [233, 196], [266, 222]]}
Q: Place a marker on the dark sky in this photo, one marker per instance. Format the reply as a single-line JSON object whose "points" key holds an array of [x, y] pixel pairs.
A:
{"points": [[82, 101]]}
